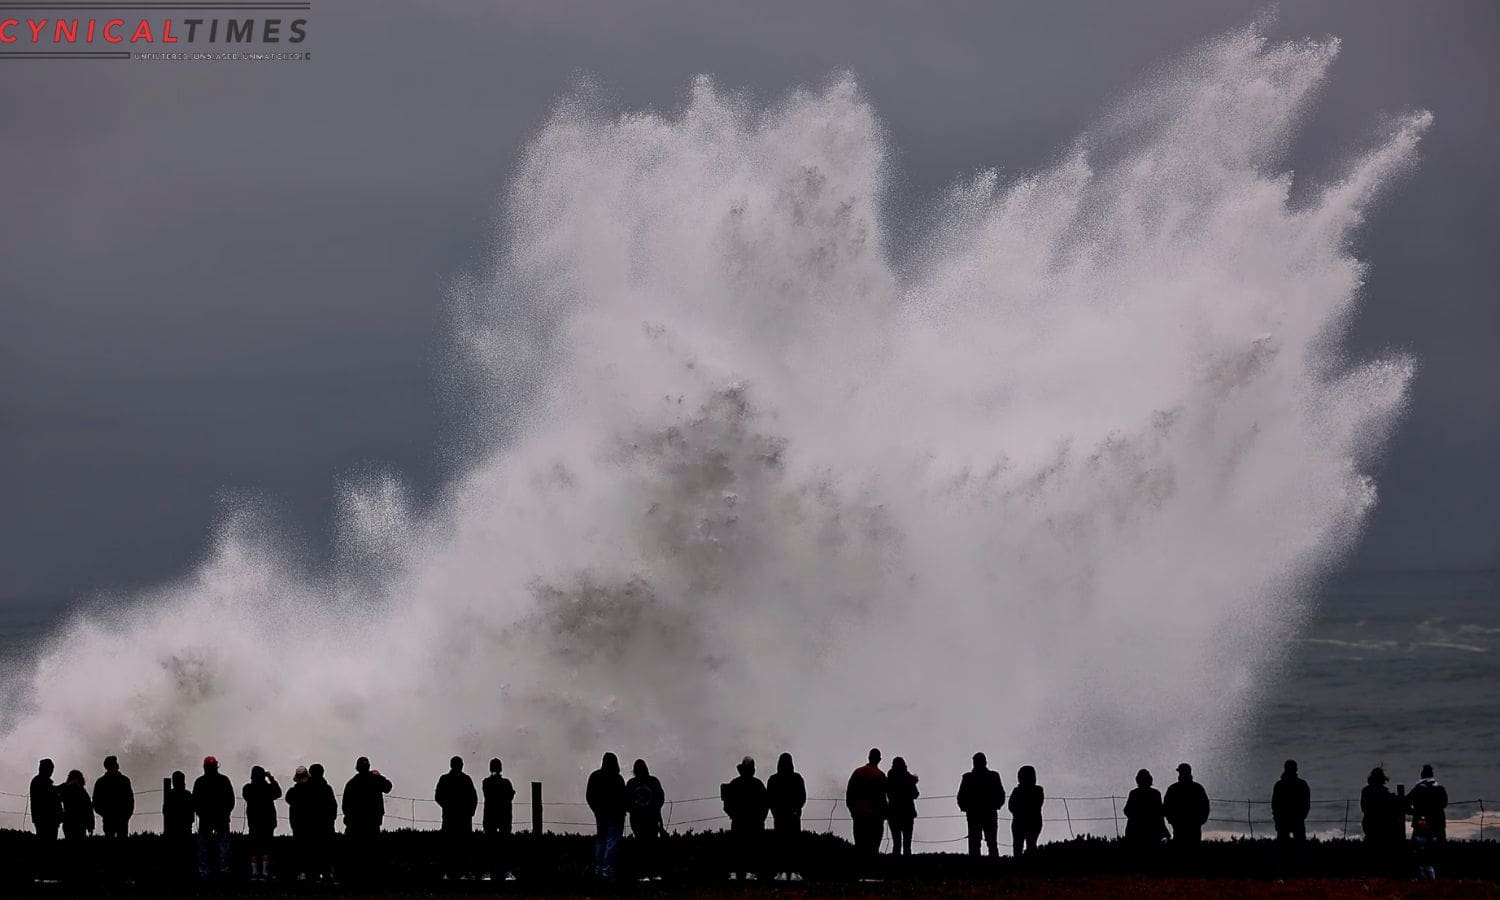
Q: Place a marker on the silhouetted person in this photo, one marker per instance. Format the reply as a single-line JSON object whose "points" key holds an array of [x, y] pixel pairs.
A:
{"points": [[1186, 808], [1025, 812], [1145, 822], [865, 797], [1427, 800], [300, 817], [364, 808], [498, 796], [645, 798], [786, 794], [1382, 819], [177, 825], [901, 806], [1290, 803], [606, 798], [323, 814], [261, 794], [456, 797], [980, 796], [746, 803], [114, 801], [46, 807], [77, 809], [213, 801]]}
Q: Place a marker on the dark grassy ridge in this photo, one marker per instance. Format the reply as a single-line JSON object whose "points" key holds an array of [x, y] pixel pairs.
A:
{"points": [[409, 864]]}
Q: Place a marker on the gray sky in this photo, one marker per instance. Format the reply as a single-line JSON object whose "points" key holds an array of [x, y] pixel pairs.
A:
{"points": [[232, 279]]}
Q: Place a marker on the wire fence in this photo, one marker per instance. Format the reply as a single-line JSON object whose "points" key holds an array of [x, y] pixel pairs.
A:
{"points": [[939, 822]]}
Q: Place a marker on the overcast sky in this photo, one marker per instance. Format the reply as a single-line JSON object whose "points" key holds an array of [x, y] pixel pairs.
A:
{"points": [[232, 279]]}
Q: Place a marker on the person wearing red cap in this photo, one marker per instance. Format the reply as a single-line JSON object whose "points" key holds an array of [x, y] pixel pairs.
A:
{"points": [[213, 801]]}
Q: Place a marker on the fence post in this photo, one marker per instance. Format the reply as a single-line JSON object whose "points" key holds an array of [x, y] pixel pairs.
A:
{"points": [[414, 814], [1346, 820], [1250, 817], [831, 810], [536, 808], [1481, 818], [1116, 813], [1069, 814]]}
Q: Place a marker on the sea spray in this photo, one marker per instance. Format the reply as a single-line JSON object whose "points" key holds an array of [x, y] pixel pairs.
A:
{"points": [[1054, 489]]}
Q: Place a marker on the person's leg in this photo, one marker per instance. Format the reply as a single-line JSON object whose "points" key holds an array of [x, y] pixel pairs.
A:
{"points": [[204, 836], [975, 830], [991, 836], [223, 851]]}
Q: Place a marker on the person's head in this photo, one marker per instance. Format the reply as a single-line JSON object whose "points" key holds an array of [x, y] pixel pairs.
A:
{"points": [[495, 765], [179, 780], [300, 775], [257, 773], [1427, 771], [1377, 776], [874, 756], [610, 763], [1026, 775], [898, 764], [210, 765], [111, 764], [1184, 772], [640, 768], [784, 763], [44, 768], [746, 766], [1290, 767], [1143, 779], [362, 764], [456, 763], [315, 770], [979, 761], [76, 777]]}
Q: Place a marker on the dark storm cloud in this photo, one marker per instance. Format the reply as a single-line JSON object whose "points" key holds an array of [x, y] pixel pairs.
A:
{"points": [[235, 277]]}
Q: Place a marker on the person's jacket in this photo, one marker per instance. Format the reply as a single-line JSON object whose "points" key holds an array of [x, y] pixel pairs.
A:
{"points": [[324, 810], [745, 801], [301, 808], [46, 806], [1144, 820], [113, 798], [1186, 804], [213, 800], [177, 812], [260, 802], [865, 794], [786, 793], [901, 795], [364, 799], [1429, 800], [498, 795], [77, 810], [456, 797], [980, 792], [1382, 814], [1026, 805], [606, 796], [644, 798], [1290, 800]]}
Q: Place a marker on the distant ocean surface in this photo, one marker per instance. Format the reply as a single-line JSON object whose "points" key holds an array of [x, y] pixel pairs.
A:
{"points": [[1398, 670]]}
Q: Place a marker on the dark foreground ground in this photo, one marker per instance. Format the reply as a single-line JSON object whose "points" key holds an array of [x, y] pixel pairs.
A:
{"points": [[408, 865]]}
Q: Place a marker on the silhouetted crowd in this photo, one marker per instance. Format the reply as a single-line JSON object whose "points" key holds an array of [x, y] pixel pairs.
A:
{"points": [[1156, 825]]}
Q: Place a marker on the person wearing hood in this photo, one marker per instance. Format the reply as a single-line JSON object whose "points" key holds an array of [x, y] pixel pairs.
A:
{"points": [[1025, 812], [606, 799], [1429, 800], [177, 825], [114, 800], [1186, 808], [77, 808], [786, 794], [260, 794], [901, 806], [498, 795], [1145, 824], [746, 805], [213, 801], [644, 800], [456, 797], [980, 796]]}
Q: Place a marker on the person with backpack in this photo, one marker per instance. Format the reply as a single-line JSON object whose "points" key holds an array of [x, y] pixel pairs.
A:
{"points": [[644, 800], [786, 794], [498, 796]]}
